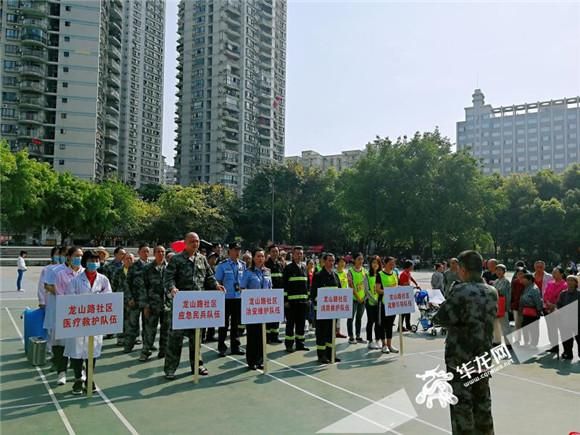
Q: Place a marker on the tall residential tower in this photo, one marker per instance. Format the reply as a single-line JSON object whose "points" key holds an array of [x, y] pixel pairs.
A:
{"points": [[231, 89]]}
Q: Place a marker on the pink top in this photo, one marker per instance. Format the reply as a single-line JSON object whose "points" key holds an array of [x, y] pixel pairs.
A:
{"points": [[63, 277], [553, 290]]}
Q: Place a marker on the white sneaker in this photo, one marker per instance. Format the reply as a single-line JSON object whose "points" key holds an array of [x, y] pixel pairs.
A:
{"points": [[373, 345], [84, 376], [21, 290], [385, 350], [393, 349], [61, 378]]}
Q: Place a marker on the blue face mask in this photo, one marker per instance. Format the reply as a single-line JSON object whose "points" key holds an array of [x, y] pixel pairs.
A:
{"points": [[56, 259], [76, 261], [92, 266], [62, 259]]}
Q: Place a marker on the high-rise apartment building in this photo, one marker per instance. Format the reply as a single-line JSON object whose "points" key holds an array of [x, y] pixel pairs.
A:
{"points": [[231, 89], [522, 138], [140, 158], [61, 79], [312, 159]]}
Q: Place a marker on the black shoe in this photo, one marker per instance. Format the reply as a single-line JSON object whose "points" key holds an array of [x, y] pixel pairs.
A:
{"points": [[161, 354], [337, 360], [153, 347], [128, 350], [77, 388], [323, 361], [302, 348], [290, 350], [210, 339], [94, 387], [252, 367], [566, 356], [276, 340], [170, 376], [238, 352], [260, 367], [222, 353], [144, 357], [138, 341]]}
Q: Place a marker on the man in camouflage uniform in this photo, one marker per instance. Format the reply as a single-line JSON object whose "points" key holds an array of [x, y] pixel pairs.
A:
{"points": [[187, 271], [152, 302], [135, 288], [112, 267], [468, 314], [119, 285]]}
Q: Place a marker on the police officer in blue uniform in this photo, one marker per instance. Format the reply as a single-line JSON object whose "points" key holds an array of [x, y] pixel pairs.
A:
{"points": [[229, 274]]}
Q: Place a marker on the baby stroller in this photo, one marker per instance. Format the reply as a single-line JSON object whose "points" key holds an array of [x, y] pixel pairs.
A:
{"points": [[427, 310]]}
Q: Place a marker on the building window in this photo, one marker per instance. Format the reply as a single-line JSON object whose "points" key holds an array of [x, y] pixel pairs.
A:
{"points": [[65, 100], [62, 146], [61, 162], [63, 116], [11, 34], [65, 84], [67, 39], [67, 8], [65, 68], [66, 54], [67, 23]]}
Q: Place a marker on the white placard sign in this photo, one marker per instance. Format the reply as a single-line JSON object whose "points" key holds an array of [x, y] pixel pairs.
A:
{"points": [[88, 315], [399, 300], [435, 296], [334, 303], [262, 306], [198, 309]]}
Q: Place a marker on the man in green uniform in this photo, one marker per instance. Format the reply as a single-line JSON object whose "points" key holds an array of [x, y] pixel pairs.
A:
{"points": [[119, 285], [468, 314], [187, 271], [135, 287]]}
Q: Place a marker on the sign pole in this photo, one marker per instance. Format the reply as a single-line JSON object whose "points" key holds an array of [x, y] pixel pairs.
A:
{"points": [[264, 350], [196, 353], [333, 353], [401, 333], [90, 367]]}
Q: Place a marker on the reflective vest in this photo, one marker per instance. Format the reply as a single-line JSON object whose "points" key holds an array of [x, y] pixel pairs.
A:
{"points": [[388, 280], [358, 280], [342, 276], [373, 289]]}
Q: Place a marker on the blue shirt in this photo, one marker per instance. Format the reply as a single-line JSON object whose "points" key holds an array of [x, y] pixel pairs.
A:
{"points": [[254, 279], [229, 273]]}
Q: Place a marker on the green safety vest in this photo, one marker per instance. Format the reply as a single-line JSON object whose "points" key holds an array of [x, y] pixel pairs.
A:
{"points": [[373, 289], [358, 280], [388, 280], [343, 279]]}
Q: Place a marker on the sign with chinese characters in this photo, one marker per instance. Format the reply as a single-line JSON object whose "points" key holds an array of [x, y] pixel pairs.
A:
{"points": [[399, 300], [262, 306], [198, 309], [88, 315], [334, 303]]}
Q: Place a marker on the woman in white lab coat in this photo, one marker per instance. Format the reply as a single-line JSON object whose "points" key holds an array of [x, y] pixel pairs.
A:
{"points": [[88, 282]]}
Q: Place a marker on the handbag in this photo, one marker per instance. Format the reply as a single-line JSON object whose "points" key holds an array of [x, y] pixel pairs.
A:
{"points": [[529, 312], [500, 306]]}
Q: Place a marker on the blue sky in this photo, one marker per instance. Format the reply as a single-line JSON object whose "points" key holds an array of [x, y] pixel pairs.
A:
{"points": [[360, 69]]}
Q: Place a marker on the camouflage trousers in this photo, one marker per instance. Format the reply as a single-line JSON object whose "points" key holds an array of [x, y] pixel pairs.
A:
{"points": [[472, 414], [174, 346], [131, 326], [156, 316]]}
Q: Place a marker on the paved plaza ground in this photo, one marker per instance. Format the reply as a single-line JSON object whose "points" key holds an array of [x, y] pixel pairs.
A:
{"points": [[297, 396]]}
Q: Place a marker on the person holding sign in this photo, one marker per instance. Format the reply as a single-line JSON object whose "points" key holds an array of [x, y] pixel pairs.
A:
{"points": [[256, 277], [77, 349], [187, 271], [372, 298], [276, 272], [327, 277], [357, 280], [387, 278]]}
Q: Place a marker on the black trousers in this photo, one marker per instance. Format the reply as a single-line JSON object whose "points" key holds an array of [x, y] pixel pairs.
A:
{"points": [[569, 345], [77, 366], [385, 323], [272, 330], [372, 322], [324, 339], [407, 320], [60, 361], [254, 348], [233, 317], [295, 324]]}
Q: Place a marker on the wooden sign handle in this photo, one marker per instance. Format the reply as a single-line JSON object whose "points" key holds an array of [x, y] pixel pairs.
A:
{"points": [[264, 349], [333, 353], [196, 356], [90, 367]]}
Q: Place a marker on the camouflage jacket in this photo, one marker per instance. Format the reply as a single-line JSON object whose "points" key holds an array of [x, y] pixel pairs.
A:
{"points": [[184, 273], [110, 269], [119, 284], [135, 281], [468, 313], [152, 281]]}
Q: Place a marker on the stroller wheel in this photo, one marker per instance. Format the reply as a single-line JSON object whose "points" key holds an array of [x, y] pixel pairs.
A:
{"points": [[434, 332], [414, 328]]}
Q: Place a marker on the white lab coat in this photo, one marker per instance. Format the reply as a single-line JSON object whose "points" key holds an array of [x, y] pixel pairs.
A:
{"points": [[51, 277], [78, 347]]}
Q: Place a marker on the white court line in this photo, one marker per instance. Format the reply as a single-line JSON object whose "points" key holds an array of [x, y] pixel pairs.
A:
{"points": [[322, 399], [121, 417], [30, 405], [360, 396], [61, 413], [576, 393]]}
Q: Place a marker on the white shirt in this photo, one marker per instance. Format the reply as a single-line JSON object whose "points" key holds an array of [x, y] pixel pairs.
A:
{"points": [[21, 264]]}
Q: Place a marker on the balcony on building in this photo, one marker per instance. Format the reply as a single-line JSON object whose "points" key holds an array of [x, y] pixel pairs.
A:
{"points": [[234, 31], [32, 86], [111, 152], [37, 23], [111, 136], [33, 37], [114, 80], [34, 54], [115, 13], [34, 8], [31, 102], [115, 52], [115, 29], [113, 110], [30, 133], [32, 70], [31, 118], [112, 121], [233, 7], [114, 94]]}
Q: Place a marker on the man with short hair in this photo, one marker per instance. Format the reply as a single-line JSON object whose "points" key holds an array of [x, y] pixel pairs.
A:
{"points": [[187, 271], [112, 267], [469, 313], [451, 275], [229, 274], [541, 277], [135, 287], [490, 274], [437, 279], [152, 302], [295, 300]]}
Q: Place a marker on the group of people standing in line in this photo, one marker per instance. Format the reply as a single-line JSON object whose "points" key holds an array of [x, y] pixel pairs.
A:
{"points": [[149, 286]]}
